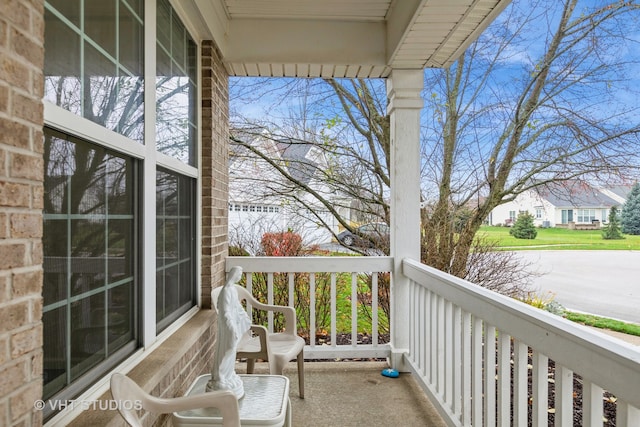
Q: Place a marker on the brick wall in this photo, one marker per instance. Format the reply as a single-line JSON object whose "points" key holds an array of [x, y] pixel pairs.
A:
{"points": [[215, 165], [21, 191]]}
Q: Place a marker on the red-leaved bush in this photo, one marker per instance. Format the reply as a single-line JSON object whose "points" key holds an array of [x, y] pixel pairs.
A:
{"points": [[286, 243]]}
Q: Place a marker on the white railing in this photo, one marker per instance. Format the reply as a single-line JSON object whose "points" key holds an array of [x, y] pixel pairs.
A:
{"points": [[488, 360], [340, 272]]}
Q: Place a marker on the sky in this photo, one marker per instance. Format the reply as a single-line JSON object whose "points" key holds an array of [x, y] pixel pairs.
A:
{"points": [[609, 98]]}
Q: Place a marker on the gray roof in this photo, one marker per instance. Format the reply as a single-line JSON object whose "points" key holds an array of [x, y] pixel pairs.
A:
{"points": [[621, 190], [575, 194], [294, 152]]}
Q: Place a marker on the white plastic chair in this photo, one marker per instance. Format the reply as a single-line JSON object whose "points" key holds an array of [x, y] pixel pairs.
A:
{"points": [[276, 348], [131, 397]]}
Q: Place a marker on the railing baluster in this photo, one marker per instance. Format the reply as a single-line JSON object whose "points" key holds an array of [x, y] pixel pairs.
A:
{"points": [[520, 380], [270, 301], [440, 345], [433, 344], [291, 277], [312, 309], [540, 389], [423, 321], [334, 314], [489, 375], [591, 404], [504, 380], [354, 309], [374, 309], [466, 369], [457, 361], [627, 415], [448, 352], [476, 371], [564, 396], [249, 286]]}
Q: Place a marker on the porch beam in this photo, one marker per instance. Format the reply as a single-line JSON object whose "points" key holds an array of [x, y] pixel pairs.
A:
{"points": [[404, 89]]}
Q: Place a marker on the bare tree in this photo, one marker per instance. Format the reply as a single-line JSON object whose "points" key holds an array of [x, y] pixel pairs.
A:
{"points": [[544, 96]]}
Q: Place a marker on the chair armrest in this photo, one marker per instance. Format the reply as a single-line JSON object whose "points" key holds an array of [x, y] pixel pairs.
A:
{"points": [[262, 334], [224, 400], [288, 312]]}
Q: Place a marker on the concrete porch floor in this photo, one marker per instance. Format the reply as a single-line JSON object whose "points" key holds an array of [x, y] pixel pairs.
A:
{"points": [[352, 394]]}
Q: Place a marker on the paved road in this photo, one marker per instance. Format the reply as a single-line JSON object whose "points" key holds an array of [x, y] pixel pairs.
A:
{"points": [[606, 283]]}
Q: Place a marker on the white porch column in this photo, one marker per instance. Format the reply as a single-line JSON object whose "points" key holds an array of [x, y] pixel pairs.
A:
{"points": [[405, 104]]}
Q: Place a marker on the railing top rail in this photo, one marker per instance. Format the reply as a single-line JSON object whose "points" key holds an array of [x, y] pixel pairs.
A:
{"points": [[311, 264], [610, 363]]}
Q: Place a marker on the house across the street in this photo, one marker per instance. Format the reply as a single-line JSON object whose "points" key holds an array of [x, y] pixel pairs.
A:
{"points": [[573, 204]]}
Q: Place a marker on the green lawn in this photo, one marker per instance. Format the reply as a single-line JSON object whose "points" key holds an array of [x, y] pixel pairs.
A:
{"points": [[559, 238]]}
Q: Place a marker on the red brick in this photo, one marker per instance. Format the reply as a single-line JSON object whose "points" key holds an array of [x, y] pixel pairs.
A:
{"points": [[37, 199], [3, 226], [13, 133], [3, 34], [22, 403], [14, 73], [27, 108], [13, 316], [4, 289], [36, 365], [26, 166], [4, 98], [12, 376], [36, 310], [26, 47], [11, 256], [17, 13], [29, 283], [4, 350], [25, 226], [26, 341], [14, 194]]}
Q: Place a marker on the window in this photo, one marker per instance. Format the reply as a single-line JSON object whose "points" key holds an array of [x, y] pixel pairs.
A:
{"points": [[586, 215], [92, 237], [90, 284], [94, 62], [175, 246], [538, 213], [176, 88]]}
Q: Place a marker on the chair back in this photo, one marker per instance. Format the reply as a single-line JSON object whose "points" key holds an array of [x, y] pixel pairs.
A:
{"points": [[129, 397]]}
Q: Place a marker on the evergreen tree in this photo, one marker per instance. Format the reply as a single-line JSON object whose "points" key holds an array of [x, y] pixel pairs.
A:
{"points": [[631, 212], [524, 227], [612, 231]]}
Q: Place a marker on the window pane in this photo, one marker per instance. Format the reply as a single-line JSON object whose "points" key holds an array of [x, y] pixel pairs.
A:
{"points": [[87, 334], [175, 278], [176, 87], [131, 42], [62, 85], [54, 336], [136, 5], [121, 316], [94, 65], [89, 263], [100, 24], [69, 8]]}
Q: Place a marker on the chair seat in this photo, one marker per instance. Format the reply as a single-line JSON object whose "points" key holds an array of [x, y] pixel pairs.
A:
{"points": [[285, 346]]}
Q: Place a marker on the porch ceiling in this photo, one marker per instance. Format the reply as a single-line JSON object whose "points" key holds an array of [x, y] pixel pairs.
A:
{"points": [[339, 38]]}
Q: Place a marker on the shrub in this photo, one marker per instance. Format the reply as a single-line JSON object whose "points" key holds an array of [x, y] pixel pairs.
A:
{"points": [[612, 231], [524, 227]]}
